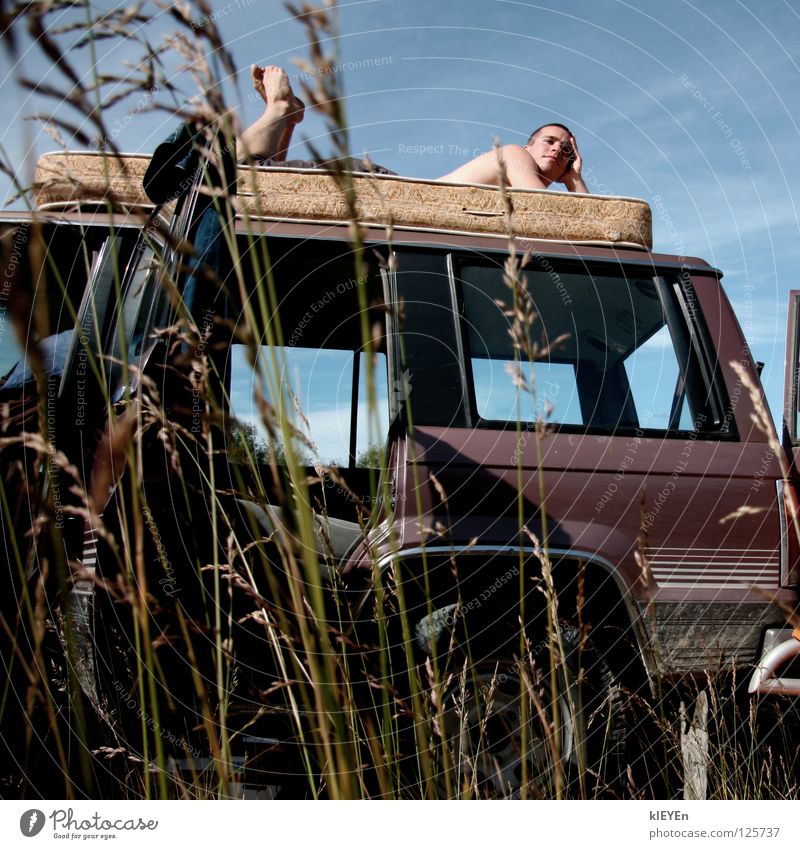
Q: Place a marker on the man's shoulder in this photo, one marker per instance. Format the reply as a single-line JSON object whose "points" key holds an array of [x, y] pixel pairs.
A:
{"points": [[514, 149]]}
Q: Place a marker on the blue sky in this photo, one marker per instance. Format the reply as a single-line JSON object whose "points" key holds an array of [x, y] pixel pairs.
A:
{"points": [[691, 106]]}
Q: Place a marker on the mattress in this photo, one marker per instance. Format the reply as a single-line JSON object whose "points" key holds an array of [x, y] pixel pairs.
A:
{"points": [[67, 179]]}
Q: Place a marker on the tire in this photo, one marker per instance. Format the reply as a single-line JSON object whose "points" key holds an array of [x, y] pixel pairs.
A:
{"points": [[501, 731]]}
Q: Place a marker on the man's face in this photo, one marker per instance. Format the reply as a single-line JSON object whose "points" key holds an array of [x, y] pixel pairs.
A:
{"points": [[551, 150]]}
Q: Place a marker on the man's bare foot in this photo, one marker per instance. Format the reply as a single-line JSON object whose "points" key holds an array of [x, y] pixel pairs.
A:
{"points": [[273, 85]]}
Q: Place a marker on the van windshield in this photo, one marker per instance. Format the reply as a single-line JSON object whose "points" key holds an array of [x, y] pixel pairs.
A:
{"points": [[602, 354]]}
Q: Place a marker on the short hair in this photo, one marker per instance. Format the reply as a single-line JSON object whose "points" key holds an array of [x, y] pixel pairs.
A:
{"points": [[550, 124]]}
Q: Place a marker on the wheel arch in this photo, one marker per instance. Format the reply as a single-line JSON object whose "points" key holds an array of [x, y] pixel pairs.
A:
{"points": [[588, 587]]}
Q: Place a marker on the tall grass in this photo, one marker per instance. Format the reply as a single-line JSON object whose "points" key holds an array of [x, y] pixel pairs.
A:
{"points": [[258, 667]]}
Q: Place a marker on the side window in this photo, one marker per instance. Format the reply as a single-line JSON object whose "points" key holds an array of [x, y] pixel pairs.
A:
{"points": [[657, 385], [603, 352], [554, 386], [311, 366], [315, 389]]}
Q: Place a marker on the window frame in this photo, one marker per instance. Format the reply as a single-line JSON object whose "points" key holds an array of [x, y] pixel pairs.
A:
{"points": [[674, 290]]}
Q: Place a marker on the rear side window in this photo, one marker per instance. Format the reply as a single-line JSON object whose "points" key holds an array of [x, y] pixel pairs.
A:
{"points": [[600, 351]]}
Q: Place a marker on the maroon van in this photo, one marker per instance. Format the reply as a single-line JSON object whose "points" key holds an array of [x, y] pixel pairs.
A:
{"points": [[580, 444]]}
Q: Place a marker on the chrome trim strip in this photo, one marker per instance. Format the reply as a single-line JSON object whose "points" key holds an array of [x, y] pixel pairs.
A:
{"points": [[499, 549], [722, 551], [714, 585], [669, 567], [670, 577]]}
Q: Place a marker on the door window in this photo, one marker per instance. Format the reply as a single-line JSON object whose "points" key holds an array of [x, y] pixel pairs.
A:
{"points": [[596, 351], [314, 394], [313, 324]]}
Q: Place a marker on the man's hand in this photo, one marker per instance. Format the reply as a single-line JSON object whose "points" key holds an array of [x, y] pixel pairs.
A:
{"points": [[572, 179]]}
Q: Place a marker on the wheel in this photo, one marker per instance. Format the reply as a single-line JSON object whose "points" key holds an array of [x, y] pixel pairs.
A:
{"points": [[507, 738]]}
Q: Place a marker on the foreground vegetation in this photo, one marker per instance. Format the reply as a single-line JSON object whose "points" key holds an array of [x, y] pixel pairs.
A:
{"points": [[262, 671]]}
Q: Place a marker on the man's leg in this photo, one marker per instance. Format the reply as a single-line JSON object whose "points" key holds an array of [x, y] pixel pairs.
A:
{"points": [[269, 137]]}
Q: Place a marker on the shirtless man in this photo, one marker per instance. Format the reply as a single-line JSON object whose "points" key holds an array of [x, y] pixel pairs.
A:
{"points": [[550, 156]]}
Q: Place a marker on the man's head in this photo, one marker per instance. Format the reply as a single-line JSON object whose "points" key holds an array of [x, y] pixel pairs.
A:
{"points": [[551, 149]]}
